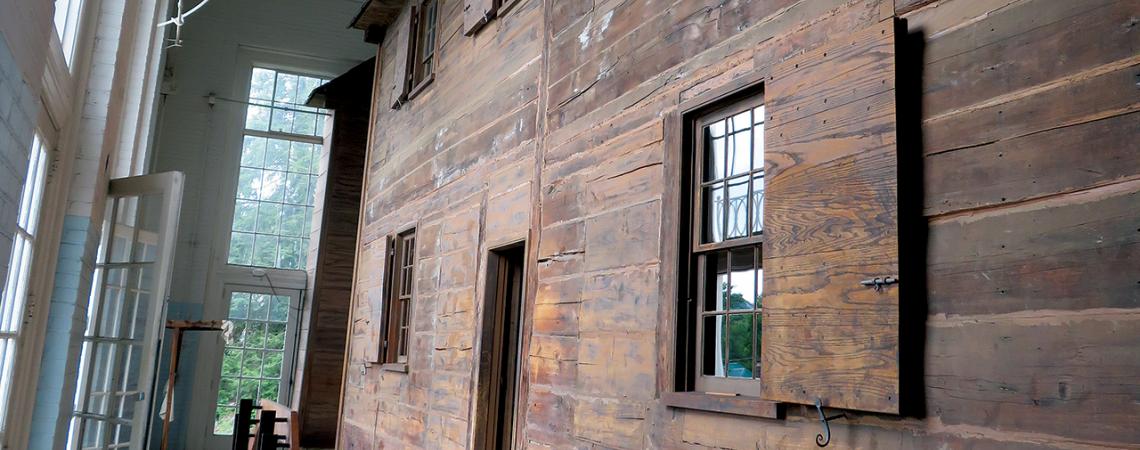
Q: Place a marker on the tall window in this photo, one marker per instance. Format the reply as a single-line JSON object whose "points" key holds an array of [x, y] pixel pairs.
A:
{"points": [[258, 353], [398, 305], [421, 55], [14, 297], [67, 14], [727, 256], [280, 159]]}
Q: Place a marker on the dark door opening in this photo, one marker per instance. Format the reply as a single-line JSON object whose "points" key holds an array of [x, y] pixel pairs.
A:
{"points": [[499, 349]]}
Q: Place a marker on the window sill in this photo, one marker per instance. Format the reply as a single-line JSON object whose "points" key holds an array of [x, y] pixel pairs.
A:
{"points": [[420, 87], [394, 367], [739, 405]]}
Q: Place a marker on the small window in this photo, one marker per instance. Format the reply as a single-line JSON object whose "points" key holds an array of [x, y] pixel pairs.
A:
{"points": [[727, 259], [422, 50], [398, 304], [67, 19]]}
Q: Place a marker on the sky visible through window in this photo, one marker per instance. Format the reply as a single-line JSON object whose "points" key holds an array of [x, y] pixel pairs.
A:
{"points": [[277, 178]]}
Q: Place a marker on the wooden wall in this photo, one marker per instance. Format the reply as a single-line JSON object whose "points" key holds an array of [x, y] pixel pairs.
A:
{"points": [[1019, 181]]}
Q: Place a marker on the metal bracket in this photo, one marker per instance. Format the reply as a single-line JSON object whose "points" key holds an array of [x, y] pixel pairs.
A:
{"points": [[879, 282], [824, 438]]}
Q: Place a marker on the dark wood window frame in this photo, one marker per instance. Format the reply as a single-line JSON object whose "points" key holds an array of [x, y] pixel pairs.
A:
{"points": [[683, 386], [423, 48], [399, 294]]}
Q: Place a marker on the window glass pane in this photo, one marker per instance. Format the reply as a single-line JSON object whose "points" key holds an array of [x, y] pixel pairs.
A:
{"points": [[245, 216], [268, 218], [714, 213], [239, 305], [293, 220], [282, 120], [259, 307], [305, 123], [279, 309], [277, 155], [740, 346], [269, 389], [297, 189], [241, 249], [739, 152], [257, 117], [289, 257], [273, 186], [737, 207], [286, 91], [715, 350], [249, 183], [272, 364], [758, 203], [715, 154], [265, 251], [261, 84], [253, 152], [275, 336], [716, 294], [301, 157], [743, 279], [758, 141], [231, 361]]}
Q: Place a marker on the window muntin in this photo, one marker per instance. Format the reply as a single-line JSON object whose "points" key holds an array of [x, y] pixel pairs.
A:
{"points": [[14, 296], [727, 259], [277, 177], [423, 46], [254, 360]]}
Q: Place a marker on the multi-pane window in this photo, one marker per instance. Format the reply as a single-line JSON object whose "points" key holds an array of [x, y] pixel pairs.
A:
{"points": [[14, 296], [256, 355], [423, 42], [398, 307], [277, 178], [727, 256]]}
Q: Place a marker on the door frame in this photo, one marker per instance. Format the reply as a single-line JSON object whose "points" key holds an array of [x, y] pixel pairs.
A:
{"points": [[213, 359], [496, 287]]}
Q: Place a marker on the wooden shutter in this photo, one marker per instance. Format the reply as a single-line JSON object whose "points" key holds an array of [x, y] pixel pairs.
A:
{"points": [[401, 59], [830, 222], [477, 13], [377, 301]]}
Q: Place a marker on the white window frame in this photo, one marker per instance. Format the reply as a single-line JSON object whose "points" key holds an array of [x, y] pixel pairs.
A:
{"points": [[14, 293]]}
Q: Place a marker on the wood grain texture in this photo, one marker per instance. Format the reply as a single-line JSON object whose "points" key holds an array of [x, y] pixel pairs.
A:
{"points": [[830, 222], [476, 14]]}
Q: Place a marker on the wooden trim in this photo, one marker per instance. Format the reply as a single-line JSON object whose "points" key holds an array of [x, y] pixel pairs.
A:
{"points": [[726, 404], [420, 87], [395, 367]]}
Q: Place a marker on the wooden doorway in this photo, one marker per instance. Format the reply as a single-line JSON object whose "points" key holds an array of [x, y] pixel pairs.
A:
{"points": [[499, 348]]}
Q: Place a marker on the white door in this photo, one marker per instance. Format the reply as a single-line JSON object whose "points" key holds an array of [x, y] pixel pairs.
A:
{"points": [[126, 314], [257, 362]]}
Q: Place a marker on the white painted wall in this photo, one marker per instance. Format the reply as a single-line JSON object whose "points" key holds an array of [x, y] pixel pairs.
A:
{"points": [[221, 42]]}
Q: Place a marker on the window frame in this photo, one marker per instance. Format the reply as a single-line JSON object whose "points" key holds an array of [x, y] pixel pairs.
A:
{"points": [[399, 299], [416, 60], [683, 135], [246, 132]]}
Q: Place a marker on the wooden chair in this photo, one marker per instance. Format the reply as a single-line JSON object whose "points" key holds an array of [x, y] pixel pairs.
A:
{"points": [[285, 432]]}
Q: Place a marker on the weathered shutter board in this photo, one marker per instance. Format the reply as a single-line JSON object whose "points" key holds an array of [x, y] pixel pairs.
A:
{"points": [[830, 221], [476, 14], [401, 61]]}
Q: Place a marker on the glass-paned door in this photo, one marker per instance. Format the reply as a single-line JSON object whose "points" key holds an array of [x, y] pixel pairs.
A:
{"points": [[125, 314], [257, 361]]}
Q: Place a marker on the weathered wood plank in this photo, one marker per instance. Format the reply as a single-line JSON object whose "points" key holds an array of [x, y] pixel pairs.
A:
{"points": [[1072, 253]]}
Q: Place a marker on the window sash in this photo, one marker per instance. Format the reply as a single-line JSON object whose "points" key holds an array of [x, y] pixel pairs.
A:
{"points": [[700, 252]]}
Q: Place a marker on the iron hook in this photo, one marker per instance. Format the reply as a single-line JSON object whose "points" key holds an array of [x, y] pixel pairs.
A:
{"points": [[824, 438]]}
